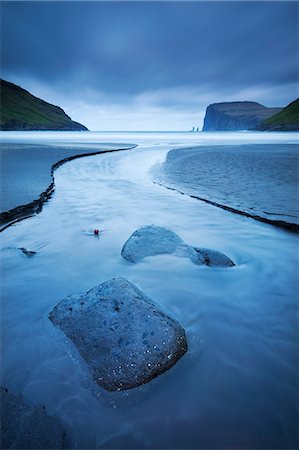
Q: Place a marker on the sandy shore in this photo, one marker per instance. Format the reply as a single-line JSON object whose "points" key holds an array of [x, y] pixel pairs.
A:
{"points": [[27, 179], [257, 181], [240, 322]]}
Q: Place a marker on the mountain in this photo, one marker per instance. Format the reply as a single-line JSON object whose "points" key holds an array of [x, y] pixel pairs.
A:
{"points": [[22, 111], [233, 116], [285, 120]]}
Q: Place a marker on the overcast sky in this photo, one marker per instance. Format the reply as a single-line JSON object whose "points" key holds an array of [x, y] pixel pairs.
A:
{"points": [[150, 65]]}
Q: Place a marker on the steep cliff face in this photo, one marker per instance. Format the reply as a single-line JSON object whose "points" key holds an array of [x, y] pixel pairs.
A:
{"points": [[22, 111], [285, 120], [233, 116]]}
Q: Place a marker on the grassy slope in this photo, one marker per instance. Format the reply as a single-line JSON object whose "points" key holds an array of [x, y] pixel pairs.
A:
{"points": [[21, 110], [286, 120]]}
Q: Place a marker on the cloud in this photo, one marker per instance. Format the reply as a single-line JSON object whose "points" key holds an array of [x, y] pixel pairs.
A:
{"points": [[153, 63]]}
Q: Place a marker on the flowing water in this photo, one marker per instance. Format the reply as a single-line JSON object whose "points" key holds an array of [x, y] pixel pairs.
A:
{"points": [[237, 385]]}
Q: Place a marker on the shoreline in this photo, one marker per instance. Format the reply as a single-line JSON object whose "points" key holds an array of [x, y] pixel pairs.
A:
{"points": [[234, 307], [28, 209], [287, 226], [21, 212], [239, 178]]}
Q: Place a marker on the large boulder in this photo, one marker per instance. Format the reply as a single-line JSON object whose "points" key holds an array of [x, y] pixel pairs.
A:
{"points": [[124, 337], [27, 427], [151, 240]]}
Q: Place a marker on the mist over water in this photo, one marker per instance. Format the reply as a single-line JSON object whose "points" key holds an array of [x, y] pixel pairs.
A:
{"points": [[236, 386]]}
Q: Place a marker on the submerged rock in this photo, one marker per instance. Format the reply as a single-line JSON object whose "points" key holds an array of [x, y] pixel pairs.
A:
{"points": [[214, 258], [151, 240], [27, 427], [27, 252], [125, 339]]}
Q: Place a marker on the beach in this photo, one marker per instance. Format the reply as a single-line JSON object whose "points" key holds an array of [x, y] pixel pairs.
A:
{"points": [[27, 174], [237, 378], [260, 181]]}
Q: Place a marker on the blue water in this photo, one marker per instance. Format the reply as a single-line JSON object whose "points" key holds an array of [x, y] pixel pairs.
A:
{"points": [[237, 385]]}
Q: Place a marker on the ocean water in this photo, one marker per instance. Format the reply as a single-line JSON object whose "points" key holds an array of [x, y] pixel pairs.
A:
{"points": [[237, 385]]}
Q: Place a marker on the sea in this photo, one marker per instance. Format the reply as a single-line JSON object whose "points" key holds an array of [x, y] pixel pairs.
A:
{"points": [[237, 385]]}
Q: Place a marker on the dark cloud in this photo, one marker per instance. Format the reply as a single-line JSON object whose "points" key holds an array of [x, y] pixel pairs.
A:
{"points": [[120, 50]]}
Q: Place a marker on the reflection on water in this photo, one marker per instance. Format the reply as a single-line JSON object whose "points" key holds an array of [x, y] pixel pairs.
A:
{"points": [[234, 388]]}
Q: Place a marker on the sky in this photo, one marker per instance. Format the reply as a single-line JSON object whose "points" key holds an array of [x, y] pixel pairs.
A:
{"points": [[150, 65]]}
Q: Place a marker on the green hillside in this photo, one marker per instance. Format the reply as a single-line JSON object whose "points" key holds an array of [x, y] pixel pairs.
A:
{"points": [[22, 111], [285, 120]]}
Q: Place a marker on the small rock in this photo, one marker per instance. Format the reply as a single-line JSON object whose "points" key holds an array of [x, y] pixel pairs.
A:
{"points": [[125, 339], [151, 240], [214, 258], [27, 427], [27, 252]]}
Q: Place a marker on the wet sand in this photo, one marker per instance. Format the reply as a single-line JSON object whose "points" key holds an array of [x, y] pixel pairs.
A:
{"points": [[27, 175], [239, 374], [258, 181]]}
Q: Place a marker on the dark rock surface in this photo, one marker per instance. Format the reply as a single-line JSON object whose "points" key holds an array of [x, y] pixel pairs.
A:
{"points": [[233, 116], [213, 258], [27, 427], [125, 339], [151, 240], [27, 252]]}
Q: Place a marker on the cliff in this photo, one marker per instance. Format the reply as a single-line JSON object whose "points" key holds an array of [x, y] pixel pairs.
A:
{"points": [[22, 111], [233, 116], [285, 120]]}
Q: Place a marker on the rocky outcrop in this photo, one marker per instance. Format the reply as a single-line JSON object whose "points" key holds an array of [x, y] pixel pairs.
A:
{"points": [[234, 116], [151, 240], [21, 110], [27, 427], [123, 336]]}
